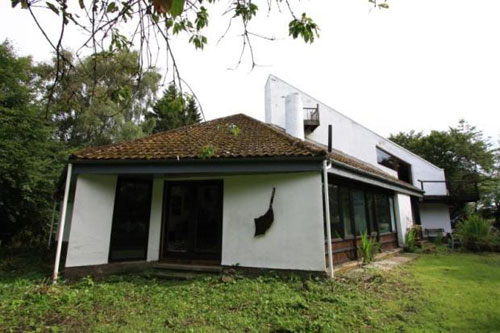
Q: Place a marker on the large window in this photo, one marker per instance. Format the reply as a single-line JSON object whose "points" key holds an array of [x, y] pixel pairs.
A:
{"points": [[129, 233], [357, 210], [392, 162]]}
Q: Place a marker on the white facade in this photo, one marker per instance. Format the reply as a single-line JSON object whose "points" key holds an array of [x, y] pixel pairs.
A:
{"points": [[92, 215], [294, 241], [360, 142]]}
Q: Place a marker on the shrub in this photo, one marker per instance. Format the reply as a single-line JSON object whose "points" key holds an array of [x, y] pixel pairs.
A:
{"points": [[439, 238], [411, 240], [476, 234], [369, 247]]}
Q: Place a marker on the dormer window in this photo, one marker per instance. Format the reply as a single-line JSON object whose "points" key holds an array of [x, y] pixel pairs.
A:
{"points": [[392, 162]]}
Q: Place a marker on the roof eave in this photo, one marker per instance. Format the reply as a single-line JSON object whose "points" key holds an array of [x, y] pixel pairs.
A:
{"points": [[375, 176]]}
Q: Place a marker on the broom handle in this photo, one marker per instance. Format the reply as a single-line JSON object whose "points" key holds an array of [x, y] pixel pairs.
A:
{"points": [[272, 198]]}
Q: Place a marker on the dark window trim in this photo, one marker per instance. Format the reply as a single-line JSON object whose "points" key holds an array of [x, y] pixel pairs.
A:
{"points": [[120, 179]]}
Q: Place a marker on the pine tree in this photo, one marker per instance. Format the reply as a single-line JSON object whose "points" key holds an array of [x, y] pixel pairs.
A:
{"points": [[174, 110]]}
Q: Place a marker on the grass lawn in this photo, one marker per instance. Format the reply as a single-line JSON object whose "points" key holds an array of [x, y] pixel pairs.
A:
{"points": [[438, 292]]}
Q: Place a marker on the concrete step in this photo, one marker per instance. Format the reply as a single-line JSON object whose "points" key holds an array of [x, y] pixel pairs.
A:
{"points": [[174, 275], [187, 268]]}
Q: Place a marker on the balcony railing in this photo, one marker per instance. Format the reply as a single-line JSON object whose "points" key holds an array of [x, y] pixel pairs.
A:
{"points": [[456, 191], [311, 118]]}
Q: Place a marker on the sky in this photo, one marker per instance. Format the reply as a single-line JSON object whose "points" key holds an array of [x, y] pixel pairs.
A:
{"points": [[420, 65]]}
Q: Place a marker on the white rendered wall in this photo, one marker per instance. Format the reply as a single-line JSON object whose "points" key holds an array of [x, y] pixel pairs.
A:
{"points": [[155, 220], [432, 216], [294, 241], [404, 216], [349, 136], [91, 221]]}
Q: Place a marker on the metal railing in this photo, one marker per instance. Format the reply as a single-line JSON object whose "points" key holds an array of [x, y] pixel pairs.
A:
{"points": [[311, 113], [458, 190]]}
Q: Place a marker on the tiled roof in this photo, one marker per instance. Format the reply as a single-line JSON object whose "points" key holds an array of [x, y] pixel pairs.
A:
{"points": [[255, 139]]}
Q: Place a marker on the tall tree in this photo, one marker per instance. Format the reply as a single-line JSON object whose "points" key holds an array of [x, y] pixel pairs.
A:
{"points": [[462, 151], [103, 100], [173, 110], [30, 157]]}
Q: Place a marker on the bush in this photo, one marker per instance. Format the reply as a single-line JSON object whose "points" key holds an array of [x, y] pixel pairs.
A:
{"points": [[369, 247], [477, 234], [411, 240]]}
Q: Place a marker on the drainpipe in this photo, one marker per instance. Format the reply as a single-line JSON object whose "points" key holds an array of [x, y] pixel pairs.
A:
{"points": [[327, 217], [61, 225]]}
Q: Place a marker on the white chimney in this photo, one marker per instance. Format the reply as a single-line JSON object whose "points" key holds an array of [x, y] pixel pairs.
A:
{"points": [[294, 116]]}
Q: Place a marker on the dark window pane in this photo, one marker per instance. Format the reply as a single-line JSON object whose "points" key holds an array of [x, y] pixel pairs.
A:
{"points": [[359, 211], [129, 233], [386, 159], [345, 201], [383, 212], [371, 213], [333, 195], [404, 173], [393, 212], [180, 211], [208, 219]]}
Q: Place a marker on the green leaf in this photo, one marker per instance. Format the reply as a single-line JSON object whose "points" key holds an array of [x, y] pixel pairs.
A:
{"points": [[112, 7], [177, 7], [53, 8]]}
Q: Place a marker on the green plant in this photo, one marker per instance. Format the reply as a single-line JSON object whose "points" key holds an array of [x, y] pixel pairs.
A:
{"points": [[411, 240], [476, 234], [369, 247], [439, 238]]}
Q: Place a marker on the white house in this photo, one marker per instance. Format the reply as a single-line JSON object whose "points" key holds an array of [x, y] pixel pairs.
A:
{"points": [[192, 195]]}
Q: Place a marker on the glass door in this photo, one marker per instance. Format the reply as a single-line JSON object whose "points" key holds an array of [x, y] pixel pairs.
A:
{"points": [[193, 220]]}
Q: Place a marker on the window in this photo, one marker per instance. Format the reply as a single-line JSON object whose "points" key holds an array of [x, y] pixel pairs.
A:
{"points": [[371, 212], [393, 213], [345, 202], [336, 225], [383, 212], [356, 210], [130, 228], [403, 169], [359, 211]]}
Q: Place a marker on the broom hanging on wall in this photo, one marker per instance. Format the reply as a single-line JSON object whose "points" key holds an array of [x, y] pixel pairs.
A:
{"points": [[264, 222]]}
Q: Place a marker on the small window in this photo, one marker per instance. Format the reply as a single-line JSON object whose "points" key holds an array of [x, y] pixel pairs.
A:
{"points": [[403, 169]]}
